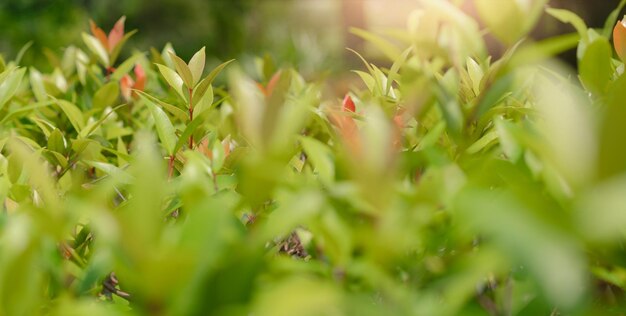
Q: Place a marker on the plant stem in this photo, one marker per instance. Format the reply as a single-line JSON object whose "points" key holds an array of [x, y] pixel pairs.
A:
{"points": [[190, 116]]}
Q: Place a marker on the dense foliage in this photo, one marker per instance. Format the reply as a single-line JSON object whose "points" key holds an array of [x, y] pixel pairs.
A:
{"points": [[453, 183]]}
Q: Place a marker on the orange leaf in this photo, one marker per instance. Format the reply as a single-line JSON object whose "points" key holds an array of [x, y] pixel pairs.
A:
{"points": [[125, 86], [99, 34], [140, 76], [619, 39], [272, 84]]}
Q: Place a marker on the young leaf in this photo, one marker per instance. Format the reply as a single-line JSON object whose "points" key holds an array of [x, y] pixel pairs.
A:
{"points": [[475, 73], [183, 70], [196, 65], [96, 48], [118, 48], [216, 71]]}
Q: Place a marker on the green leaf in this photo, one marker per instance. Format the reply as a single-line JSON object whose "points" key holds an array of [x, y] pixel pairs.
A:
{"points": [[190, 129], [96, 48], [205, 102], [14, 168], [106, 95], [390, 50], [163, 125], [595, 66], [56, 142], [494, 95], [217, 161], [113, 171], [567, 16], [395, 68], [23, 50], [9, 86], [476, 74], [125, 67], [73, 113], [612, 19], [216, 71], [175, 111], [36, 82], [196, 65], [504, 18], [321, 158], [173, 79], [547, 48], [201, 89], [183, 70], [25, 110], [93, 126], [483, 142]]}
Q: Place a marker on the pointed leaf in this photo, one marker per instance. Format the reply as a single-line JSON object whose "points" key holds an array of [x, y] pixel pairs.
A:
{"points": [[73, 113], [125, 67], [216, 71], [190, 129], [116, 33], [56, 142], [96, 48], [200, 90], [196, 65], [113, 171], [173, 79], [93, 126], [183, 70], [115, 52], [9, 86], [177, 112], [164, 127], [36, 82]]}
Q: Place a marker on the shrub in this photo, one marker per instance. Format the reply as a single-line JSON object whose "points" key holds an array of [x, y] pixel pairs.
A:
{"points": [[453, 183]]}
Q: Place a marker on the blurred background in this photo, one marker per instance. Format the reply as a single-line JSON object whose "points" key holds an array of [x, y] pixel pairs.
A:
{"points": [[308, 34]]}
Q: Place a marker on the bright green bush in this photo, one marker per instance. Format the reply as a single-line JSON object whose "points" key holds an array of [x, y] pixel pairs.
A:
{"points": [[453, 184]]}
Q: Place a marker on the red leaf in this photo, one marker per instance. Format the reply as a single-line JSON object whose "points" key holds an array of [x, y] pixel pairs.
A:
{"points": [[116, 34], [348, 104]]}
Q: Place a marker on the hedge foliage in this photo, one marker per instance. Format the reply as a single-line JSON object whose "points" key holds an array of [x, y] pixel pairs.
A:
{"points": [[453, 183]]}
